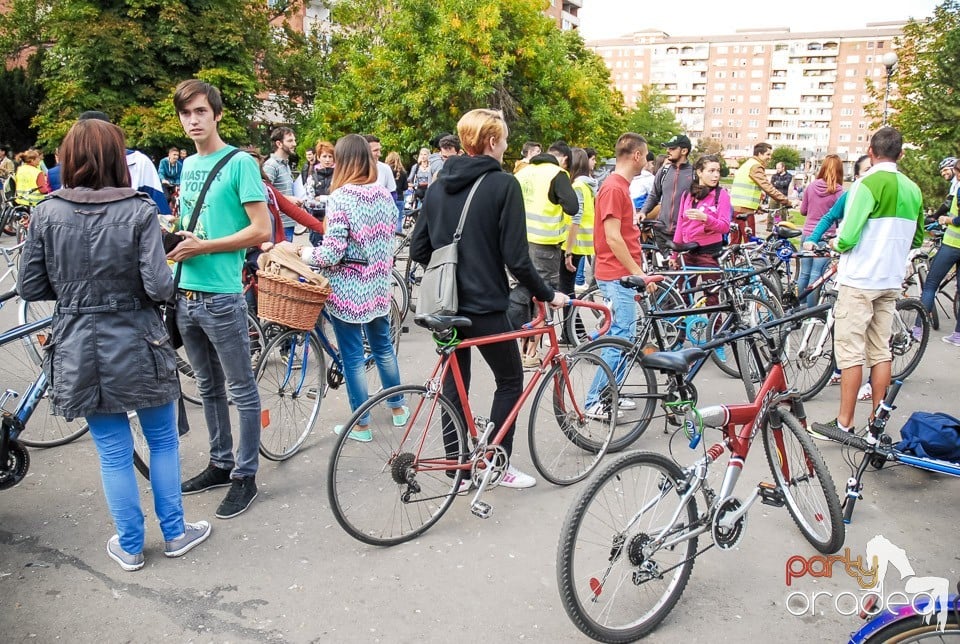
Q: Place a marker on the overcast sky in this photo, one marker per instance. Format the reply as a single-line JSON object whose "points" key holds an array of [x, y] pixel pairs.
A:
{"points": [[612, 18]]}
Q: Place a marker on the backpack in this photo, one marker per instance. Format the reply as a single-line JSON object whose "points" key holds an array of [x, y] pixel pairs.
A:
{"points": [[931, 435]]}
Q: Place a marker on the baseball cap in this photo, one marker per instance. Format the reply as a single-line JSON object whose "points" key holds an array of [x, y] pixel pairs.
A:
{"points": [[678, 141]]}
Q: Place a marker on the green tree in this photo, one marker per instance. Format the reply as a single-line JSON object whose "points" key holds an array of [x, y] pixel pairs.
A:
{"points": [[20, 94], [926, 103], [788, 156], [407, 70], [651, 117]]}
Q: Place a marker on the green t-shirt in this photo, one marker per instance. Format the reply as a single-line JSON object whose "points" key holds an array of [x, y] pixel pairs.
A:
{"points": [[238, 183]]}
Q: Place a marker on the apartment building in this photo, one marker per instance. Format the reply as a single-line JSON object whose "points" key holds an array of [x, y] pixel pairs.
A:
{"points": [[565, 13], [808, 91]]}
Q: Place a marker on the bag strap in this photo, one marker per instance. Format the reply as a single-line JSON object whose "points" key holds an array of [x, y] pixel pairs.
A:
{"points": [[466, 207], [195, 217]]}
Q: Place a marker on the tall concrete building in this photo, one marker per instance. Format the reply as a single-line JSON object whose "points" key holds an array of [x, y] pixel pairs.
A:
{"points": [[803, 90], [565, 12]]}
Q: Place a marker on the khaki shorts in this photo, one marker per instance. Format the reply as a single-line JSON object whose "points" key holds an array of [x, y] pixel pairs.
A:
{"points": [[864, 322]]}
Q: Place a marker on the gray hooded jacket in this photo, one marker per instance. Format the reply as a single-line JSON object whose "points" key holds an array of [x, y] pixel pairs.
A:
{"points": [[98, 253]]}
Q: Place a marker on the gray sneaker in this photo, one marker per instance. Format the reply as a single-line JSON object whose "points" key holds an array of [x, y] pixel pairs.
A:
{"points": [[193, 535], [123, 558]]}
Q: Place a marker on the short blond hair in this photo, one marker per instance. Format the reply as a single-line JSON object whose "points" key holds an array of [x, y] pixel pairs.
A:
{"points": [[477, 126]]}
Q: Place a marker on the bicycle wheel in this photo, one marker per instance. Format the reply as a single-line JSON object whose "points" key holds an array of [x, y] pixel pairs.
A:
{"points": [[291, 378], [636, 389], [28, 312], [141, 451], [906, 348], [615, 583], [566, 443], [755, 311], [808, 358], [401, 293], [394, 487], [583, 320], [916, 629], [804, 480], [673, 330]]}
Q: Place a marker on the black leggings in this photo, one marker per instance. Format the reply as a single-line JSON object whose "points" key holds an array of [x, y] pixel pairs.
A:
{"points": [[503, 358]]}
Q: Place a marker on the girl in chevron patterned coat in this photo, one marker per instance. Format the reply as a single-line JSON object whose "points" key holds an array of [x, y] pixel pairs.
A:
{"points": [[361, 218]]}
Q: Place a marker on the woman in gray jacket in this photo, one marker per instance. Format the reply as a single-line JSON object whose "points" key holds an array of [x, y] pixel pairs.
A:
{"points": [[95, 248]]}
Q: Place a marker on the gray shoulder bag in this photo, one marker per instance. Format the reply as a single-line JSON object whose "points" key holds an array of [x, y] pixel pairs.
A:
{"points": [[438, 287]]}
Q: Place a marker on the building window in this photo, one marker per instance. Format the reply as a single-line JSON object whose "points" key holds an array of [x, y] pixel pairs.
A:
{"points": [[753, 123], [853, 60], [754, 110], [780, 47], [756, 73], [720, 62], [720, 86], [880, 44], [844, 138]]}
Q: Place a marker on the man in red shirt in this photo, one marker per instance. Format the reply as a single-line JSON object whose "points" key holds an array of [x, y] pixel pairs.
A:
{"points": [[616, 242]]}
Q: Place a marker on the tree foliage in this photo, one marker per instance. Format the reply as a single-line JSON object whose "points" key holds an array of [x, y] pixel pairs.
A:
{"points": [[407, 70], [788, 156], [651, 118], [21, 95], [926, 103]]}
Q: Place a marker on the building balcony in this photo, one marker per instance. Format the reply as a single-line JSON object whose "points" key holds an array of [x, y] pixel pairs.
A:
{"points": [[572, 5]]}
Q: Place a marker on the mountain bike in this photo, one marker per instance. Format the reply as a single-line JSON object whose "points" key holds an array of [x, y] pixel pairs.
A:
{"points": [[912, 621], [395, 487], [629, 541]]}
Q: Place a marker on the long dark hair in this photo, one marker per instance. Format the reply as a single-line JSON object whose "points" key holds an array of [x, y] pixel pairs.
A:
{"points": [[699, 191], [355, 162]]}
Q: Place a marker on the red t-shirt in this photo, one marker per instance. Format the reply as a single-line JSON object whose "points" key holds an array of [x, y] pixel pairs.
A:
{"points": [[613, 200]]}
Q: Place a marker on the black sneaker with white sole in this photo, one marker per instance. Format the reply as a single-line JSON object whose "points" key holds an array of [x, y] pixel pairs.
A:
{"points": [[242, 493], [208, 479]]}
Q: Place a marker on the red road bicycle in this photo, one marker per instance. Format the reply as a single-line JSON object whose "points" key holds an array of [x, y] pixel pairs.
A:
{"points": [[629, 541], [396, 486]]}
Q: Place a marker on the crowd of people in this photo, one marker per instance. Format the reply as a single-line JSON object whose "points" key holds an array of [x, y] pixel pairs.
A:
{"points": [[541, 227]]}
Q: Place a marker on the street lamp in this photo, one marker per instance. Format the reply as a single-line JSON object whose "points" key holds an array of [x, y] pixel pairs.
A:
{"points": [[890, 62]]}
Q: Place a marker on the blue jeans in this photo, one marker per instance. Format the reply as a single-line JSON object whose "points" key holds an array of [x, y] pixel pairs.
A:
{"points": [[399, 216], [350, 342], [946, 257], [623, 302], [111, 434], [217, 340], [579, 280], [811, 269]]}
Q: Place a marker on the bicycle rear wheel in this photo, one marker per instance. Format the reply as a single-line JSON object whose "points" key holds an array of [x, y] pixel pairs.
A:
{"points": [[754, 312], [290, 377], [615, 585], [905, 347], [566, 444], [393, 487], [804, 480], [808, 358], [401, 293]]}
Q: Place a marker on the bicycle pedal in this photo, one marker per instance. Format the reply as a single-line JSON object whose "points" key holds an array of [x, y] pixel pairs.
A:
{"points": [[481, 510], [770, 494], [673, 420]]}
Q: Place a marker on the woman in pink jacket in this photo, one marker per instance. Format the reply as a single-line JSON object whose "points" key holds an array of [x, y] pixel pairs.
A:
{"points": [[704, 216]]}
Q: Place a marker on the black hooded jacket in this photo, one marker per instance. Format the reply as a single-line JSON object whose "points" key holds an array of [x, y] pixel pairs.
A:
{"points": [[494, 234]]}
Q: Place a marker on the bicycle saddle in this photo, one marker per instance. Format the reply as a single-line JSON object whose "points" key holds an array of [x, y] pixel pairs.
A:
{"points": [[672, 361], [439, 323], [787, 233], [638, 282], [681, 248]]}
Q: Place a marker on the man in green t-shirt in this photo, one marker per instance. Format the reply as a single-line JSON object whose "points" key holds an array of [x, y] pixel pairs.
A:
{"points": [[211, 311]]}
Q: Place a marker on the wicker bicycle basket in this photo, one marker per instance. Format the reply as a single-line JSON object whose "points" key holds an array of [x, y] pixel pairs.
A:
{"points": [[289, 302]]}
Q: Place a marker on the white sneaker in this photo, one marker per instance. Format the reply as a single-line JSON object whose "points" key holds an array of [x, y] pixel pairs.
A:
{"points": [[626, 404], [597, 412], [865, 394], [516, 479]]}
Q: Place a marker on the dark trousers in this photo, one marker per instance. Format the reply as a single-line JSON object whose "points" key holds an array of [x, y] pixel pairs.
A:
{"points": [[699, 260], [568, 278], [503, 358], [738, 236]]}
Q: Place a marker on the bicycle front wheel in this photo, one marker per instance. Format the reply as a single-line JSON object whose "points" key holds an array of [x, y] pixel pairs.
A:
{"points": [[290, 377], [616, 579], [804, 480], [401, 293], [636, 389], [907, 347], [919, 628], [388, 484], [754, 312], [566, 442], [808, 356]]}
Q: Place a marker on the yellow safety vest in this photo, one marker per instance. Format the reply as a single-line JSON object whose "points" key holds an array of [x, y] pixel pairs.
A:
{"points": [[745, 194], [545, 224], [951, 236], [583, 242], [28, 193]]}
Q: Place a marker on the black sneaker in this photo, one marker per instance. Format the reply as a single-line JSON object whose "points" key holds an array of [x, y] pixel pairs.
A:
{"points": [[829, 431], [242, 493], [208, 479]]}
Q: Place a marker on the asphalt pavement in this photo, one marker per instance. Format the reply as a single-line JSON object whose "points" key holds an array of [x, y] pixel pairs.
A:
{"points": [[286, 571]]}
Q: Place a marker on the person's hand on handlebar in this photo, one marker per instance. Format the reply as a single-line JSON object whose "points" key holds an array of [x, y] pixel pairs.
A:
{"points": [[808, 245], [651, 286], [559, 300]]}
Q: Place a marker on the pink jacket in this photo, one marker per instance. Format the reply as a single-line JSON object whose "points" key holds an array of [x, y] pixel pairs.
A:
{"points": [[718, 210]]}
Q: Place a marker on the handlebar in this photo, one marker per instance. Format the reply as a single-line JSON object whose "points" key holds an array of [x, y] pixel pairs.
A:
{"points": [[597, 306]]}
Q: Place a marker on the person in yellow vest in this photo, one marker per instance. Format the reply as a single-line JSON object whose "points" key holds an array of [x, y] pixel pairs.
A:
{"points": [[578, 244], [946, 257], [749, 184], [547, 196], [32, 183]]}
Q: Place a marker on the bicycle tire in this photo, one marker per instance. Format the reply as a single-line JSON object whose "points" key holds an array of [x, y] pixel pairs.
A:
{"points": [[291, 371], [401, 293], [723, 356], [905, 349], [916, 629], [567, 450], [826, 513], [809, 374], [587, 548], [637, 384], [374, 469]]}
